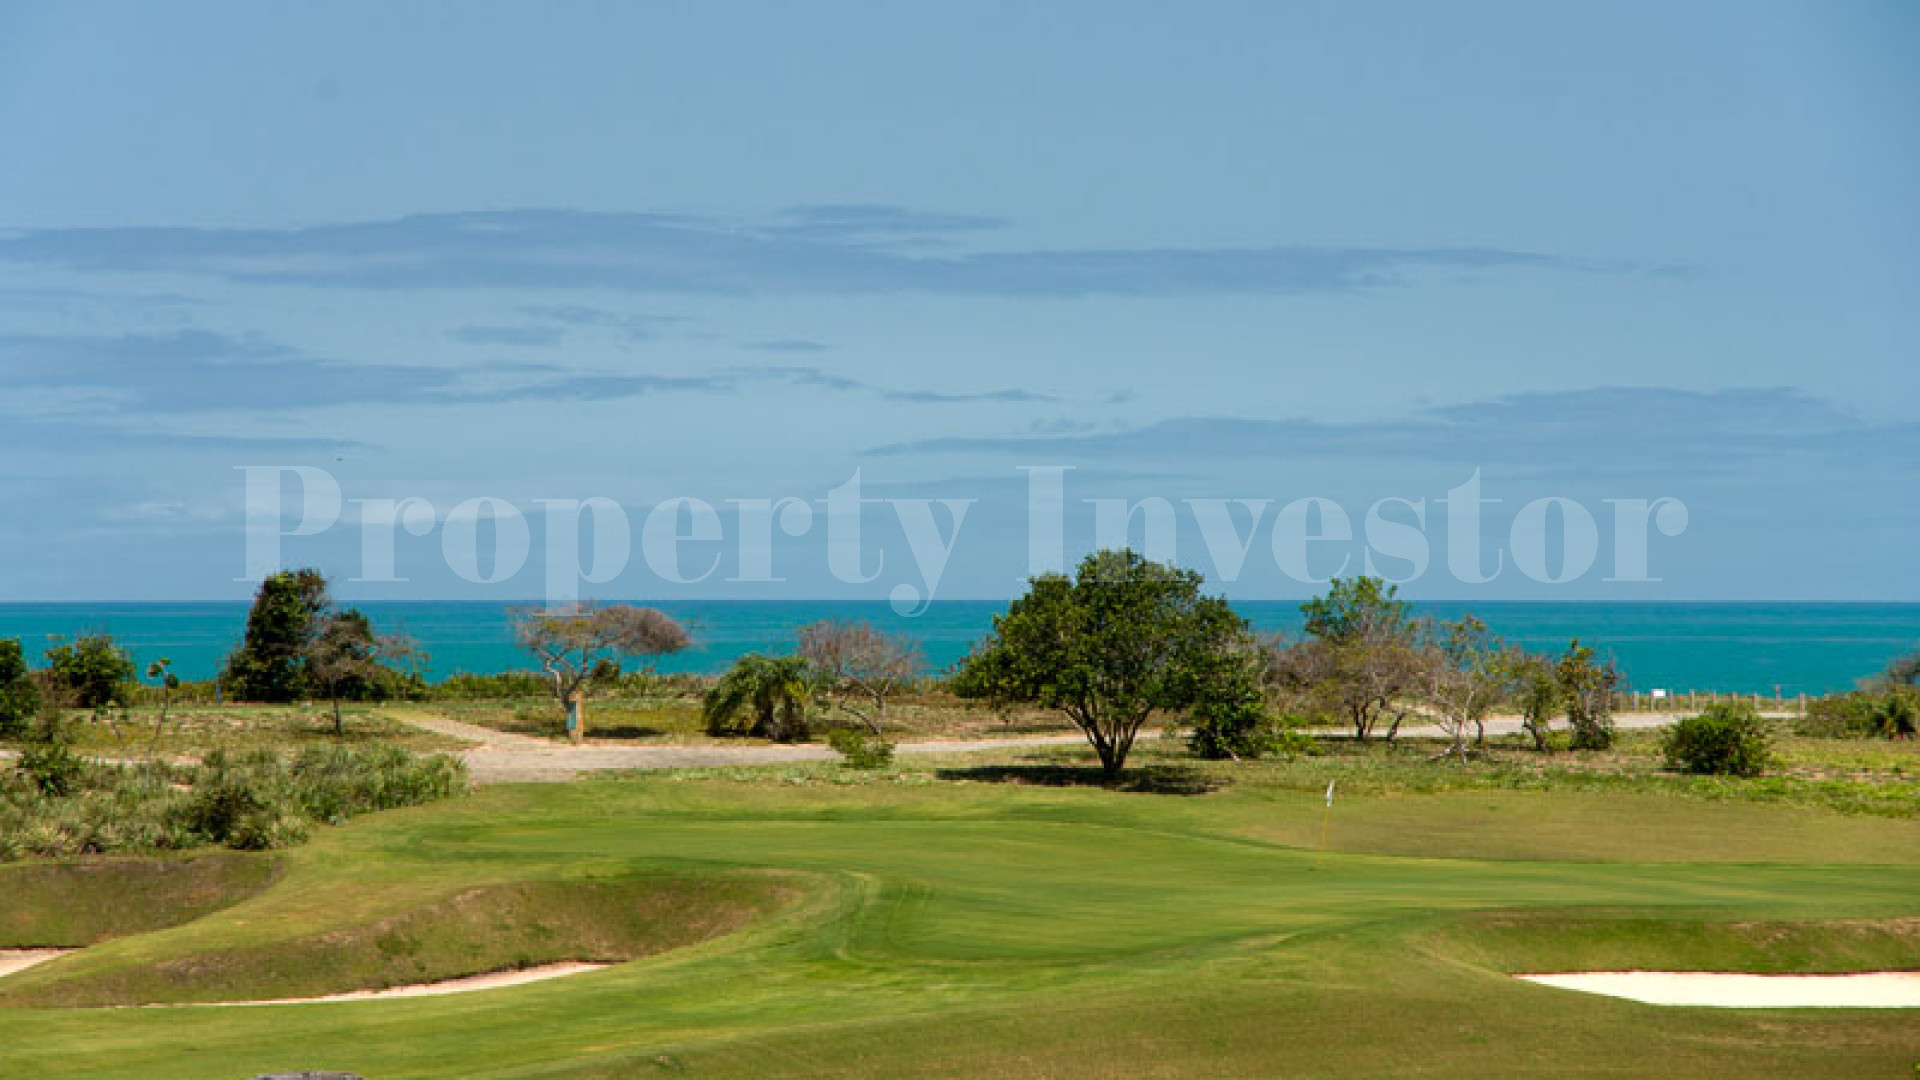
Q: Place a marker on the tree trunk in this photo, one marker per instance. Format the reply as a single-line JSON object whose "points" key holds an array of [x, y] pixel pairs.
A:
{"points": [[339, 725]]}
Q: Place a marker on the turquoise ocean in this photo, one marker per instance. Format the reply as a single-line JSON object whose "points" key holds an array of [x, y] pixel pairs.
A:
{"points": [[1748, 648]]}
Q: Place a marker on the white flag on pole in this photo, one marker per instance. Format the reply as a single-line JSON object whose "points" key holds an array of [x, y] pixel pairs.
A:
{"points": [[1329, 793]]}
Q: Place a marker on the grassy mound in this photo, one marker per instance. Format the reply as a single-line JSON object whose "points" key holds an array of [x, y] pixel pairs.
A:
{"points": [[1546, 943], [478, 930], [68, 905]]}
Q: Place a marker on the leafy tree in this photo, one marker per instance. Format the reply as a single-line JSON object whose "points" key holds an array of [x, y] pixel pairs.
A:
{"points": [[577, 647], [91, 672], [19, 694], [1728, 739], [1536, 683], [1361, 660], [1356, 608], [1122, 639], [761, 695], [1587, 687], [860, 667], [346, 660], [270, 664]]}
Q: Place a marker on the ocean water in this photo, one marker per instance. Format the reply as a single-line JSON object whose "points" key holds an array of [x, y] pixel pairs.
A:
{"points": [[1747, 648]]}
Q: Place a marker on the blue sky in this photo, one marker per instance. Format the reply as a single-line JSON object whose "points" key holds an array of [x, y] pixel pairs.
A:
{"points": [[1242, 251]]}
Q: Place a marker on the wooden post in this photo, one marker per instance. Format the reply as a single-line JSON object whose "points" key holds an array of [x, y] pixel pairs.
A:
{"points": [[577, 717], [1803, 702]]}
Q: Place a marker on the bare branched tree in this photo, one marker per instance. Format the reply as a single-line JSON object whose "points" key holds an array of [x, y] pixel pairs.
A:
{"points": [[573, 647], [1464, 672], [860, 667]]}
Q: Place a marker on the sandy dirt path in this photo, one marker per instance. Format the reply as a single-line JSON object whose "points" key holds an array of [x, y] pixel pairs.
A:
{"points": [[505, 757], [508, 758]]}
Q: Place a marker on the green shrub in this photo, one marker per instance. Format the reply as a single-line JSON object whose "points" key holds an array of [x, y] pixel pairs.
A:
{"points": [[1243, 729], [861, 749], [1897, 714], [1888, 713], [53, 768], [56, 804], [1728, 739]]}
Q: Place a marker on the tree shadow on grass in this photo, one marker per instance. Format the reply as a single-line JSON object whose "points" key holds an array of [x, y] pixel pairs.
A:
{"points": [[620, 731], [1146, 780]]}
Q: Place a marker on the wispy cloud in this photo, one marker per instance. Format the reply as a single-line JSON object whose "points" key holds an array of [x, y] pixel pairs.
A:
{"points": [[200, 371], [634, 327], [787, 345], [807, 250], [515, 336], [1619, 426]]}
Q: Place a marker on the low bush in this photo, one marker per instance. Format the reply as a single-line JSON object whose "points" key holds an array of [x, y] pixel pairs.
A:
{"points": [[506, 684], [861, 749], [251, 801], [53, 768], [1243, 730], [1888, 713], [1728, 739]]}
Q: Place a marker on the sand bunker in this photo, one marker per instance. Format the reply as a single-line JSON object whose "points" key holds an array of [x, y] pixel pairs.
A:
{"points": [[466, 985], [1868, 990], [12, 960]]}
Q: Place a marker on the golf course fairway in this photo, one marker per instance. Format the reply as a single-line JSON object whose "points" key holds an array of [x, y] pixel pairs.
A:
{"points": [[802, 928]]}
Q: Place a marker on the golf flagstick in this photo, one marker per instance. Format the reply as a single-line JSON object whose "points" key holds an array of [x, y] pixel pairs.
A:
{"points": [[1320, 857]]}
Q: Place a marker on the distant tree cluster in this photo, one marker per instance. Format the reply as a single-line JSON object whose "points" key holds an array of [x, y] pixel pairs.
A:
{"points": [[1365, 661], [299, 645]]}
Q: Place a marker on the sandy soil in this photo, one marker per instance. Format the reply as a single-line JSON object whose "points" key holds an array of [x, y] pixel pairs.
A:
{"points": [[490, 981], [12, 960], [506, 757], [1868, 990]]}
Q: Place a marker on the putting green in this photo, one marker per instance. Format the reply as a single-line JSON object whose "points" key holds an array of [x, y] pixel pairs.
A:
{"points": [[953, 929]]}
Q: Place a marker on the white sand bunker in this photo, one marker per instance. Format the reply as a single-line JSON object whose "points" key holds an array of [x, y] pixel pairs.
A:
{"points": [[490, 981], [12, 960], [1867, 990]]}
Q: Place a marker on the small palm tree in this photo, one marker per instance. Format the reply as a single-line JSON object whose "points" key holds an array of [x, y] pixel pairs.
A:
{"points": [[770, 692]]}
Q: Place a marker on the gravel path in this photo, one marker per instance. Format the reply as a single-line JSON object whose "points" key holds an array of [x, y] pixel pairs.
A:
{"points": [[499, 757], [502, 757]]}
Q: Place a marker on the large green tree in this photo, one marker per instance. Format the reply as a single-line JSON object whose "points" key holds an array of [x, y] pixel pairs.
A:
{"points": [[19, 694], [91, 671], [271, 663], [1122, 639]]}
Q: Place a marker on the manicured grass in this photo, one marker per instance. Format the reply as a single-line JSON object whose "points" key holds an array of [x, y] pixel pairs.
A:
{"points": [[945, 928]]}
